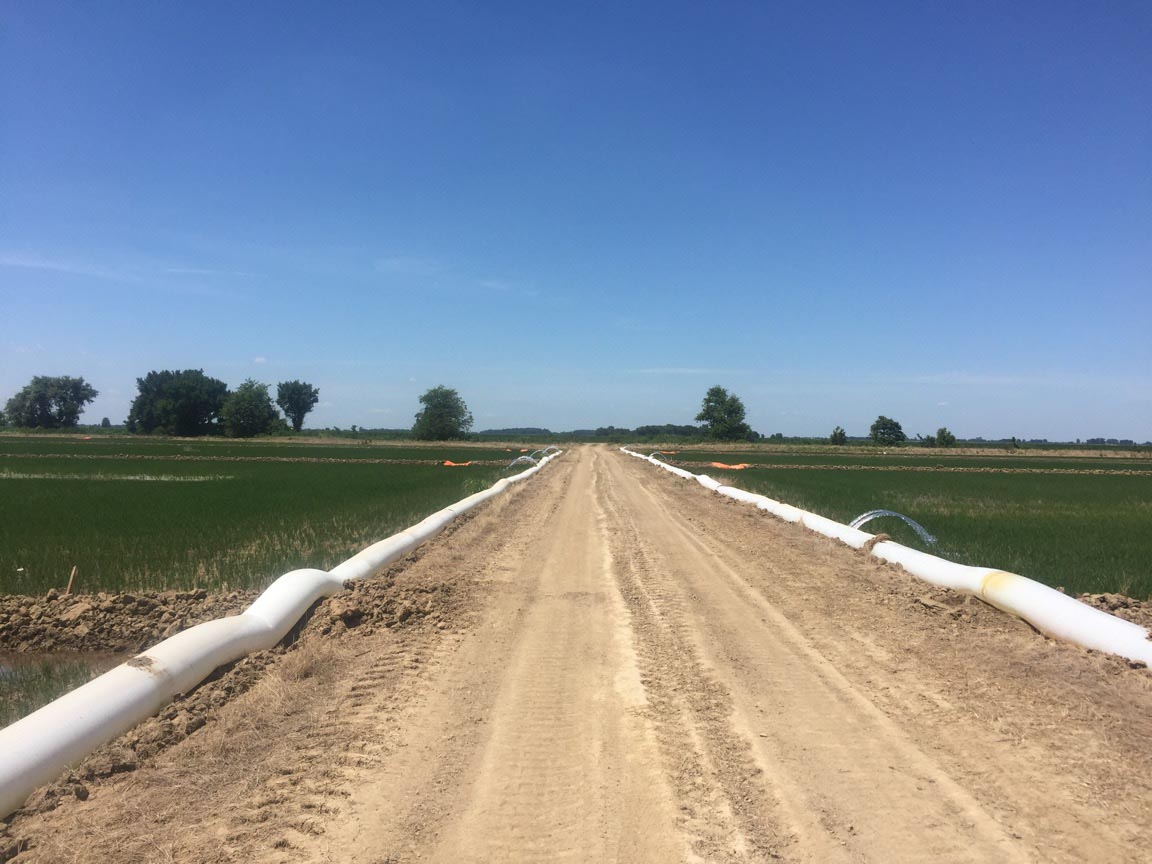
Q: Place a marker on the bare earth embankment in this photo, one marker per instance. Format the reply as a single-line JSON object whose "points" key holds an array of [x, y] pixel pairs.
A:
{"points": [[610, 664]]}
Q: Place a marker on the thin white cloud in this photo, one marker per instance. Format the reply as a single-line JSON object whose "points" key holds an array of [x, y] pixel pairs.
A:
{"points": [[687, 370], [24, 348], [201, 271], [259, 360], [408, 265], [1058, 380], [149, 276], [633, 325], [502, 286], [72, 268], [508, 287]]}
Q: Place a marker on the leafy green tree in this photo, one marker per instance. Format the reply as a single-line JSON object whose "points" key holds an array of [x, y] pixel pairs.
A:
{"points": [[926, 440], [887, 432], [50, 402], [3, 420], [722, 414], [443, 417], [838, 437], [667, 430], [248, 411], [185, 402], [296, 399], [944, 438], [105, 423]]}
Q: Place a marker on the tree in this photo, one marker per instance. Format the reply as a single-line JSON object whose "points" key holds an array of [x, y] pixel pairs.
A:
{"points": [[887, 432], [944, 438], [443, 417], [185, 402], [667, 430], [105, 423], [50, 402], [926, 440], [296, 399], [248, 411], [722, 414], [838, 437]]}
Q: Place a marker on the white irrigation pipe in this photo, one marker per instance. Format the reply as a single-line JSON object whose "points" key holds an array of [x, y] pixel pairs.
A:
{"points": [[1046, 609], [39, 747]]}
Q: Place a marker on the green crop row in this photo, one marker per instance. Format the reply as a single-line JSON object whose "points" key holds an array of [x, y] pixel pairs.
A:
{"points": [[141, 525], [129, 446], [26, 686], [1084, 533], [700, 459]]}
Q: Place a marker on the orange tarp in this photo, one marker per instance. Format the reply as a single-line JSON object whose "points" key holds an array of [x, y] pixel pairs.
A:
{"points": [[451, 464], [739, 467]]}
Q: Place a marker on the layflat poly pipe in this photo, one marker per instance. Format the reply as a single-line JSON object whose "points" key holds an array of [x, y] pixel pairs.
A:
{"points": [[1048, 610], [39, 747]]}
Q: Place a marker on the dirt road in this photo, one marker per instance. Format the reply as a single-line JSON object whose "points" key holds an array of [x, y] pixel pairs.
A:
{"points": [[632, 669]]}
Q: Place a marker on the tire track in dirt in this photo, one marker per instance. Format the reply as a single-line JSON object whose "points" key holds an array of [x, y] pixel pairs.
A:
{"points": [[567, 768], [724, 807], [829, 752], [1047, 741], [426, 734]]}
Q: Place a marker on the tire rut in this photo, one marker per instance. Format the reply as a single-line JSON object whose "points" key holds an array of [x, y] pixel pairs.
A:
{"points": [[725, 809]]}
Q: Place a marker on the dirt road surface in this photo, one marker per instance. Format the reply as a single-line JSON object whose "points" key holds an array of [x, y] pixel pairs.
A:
{"points": [[632, 669]]}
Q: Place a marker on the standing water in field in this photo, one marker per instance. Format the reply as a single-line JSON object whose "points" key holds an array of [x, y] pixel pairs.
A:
{"points": [[29, 681]]}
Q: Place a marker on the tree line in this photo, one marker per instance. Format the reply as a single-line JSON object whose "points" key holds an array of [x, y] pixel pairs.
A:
{"points": [[723, 416], [183, 402], [188, 403]]}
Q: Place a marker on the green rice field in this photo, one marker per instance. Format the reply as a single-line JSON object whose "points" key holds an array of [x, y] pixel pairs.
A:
{"points": [[29, 682], [132, 447], [208, 514], [1082, 524], [910, 458]]}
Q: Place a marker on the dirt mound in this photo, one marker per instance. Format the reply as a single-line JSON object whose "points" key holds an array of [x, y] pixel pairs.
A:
{"points": [[108, 622], [382, 603], [366, 606], [1128, 608]]}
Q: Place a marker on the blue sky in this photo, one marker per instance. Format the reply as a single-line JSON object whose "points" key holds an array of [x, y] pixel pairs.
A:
{"points": [[584, 214]]}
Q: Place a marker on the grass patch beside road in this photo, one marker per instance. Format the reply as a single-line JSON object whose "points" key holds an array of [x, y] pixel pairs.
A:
{"points": [[698, 460], [244, 526], [128, 446], [28, 684], [1085, 533]]}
